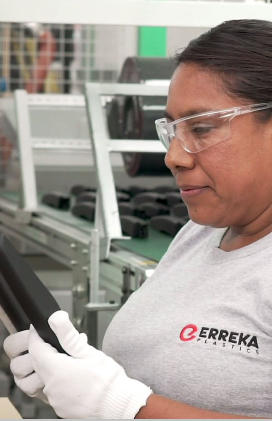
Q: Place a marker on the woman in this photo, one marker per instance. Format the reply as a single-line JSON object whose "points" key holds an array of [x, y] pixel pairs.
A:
{"points": [[195, 341]]}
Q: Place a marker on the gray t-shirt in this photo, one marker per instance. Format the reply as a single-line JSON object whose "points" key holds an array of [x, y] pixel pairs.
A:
{"points": [[199, 330]]}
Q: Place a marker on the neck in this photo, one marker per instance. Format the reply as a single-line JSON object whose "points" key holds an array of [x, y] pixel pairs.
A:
{"points": [[240, 236]]}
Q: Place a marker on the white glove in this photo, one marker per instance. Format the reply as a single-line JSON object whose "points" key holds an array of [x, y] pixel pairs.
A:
{"points": [[16, 347], [86, 383]]}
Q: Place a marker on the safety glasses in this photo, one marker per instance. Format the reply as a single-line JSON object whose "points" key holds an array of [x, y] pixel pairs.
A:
{"points": [[202, 131]]}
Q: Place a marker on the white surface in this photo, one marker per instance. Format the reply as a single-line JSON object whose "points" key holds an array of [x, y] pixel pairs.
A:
{"points": [[7, 410], [113, 45], [132, 12]]}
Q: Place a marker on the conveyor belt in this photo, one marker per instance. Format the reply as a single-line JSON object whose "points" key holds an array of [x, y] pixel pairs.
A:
{"points": [[11, 196], [152, 247], [66, 217], [59, 215]]}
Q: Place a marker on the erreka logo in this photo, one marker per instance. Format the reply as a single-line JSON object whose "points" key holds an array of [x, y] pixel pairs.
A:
{"points": [[220, 337], [188, 330]]}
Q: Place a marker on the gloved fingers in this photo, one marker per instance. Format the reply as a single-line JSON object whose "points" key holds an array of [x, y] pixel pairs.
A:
{"points": [[37, 345], [16, 344], [46, 360], [74, 343], [83, 338], [31, 385], [22, 366]]}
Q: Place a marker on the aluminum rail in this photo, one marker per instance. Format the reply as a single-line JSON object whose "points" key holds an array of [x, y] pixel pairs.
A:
{"points": [[107, 218], [132, 12]]}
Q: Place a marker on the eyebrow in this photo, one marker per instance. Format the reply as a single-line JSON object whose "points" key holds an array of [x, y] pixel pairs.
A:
{"points": [[188, 113]]}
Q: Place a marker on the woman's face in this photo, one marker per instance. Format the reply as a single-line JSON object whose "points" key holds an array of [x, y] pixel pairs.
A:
{"points": [[229, 184]]}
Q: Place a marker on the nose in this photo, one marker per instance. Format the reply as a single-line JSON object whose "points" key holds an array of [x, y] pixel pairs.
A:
{"points": [[177, 157]]}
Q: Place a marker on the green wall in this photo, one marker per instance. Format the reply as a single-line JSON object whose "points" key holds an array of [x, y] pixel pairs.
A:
{"points": [[152, 41]]}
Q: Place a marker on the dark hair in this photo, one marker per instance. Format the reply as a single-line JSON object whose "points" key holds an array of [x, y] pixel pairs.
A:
{"points": [[240, 52]]}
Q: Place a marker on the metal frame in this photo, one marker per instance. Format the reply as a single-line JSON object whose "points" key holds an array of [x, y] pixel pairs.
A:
{"points": [[80, 249], [26, 143], [52, 237], [47, 101], [107, 213], [63, 243], [132, 12], [47, 150], [72, 247], [28, 178]]}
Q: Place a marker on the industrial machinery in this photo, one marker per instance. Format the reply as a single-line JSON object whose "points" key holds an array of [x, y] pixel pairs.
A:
{"points": [[137, 114], [106, 263], [90, 232]]}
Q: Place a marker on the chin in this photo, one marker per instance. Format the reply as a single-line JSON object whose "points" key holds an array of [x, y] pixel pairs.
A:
{"points": [[206, 220]]}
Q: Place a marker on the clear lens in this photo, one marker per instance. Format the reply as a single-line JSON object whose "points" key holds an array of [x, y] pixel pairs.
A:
{"points": [[163, 135], [196, 134], [203, 132]]}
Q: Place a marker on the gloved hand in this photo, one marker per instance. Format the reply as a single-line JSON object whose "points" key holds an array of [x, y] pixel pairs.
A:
{"points": [[86, 383], [16, 347]]}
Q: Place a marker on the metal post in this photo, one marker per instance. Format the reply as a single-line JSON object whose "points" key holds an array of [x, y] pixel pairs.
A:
{"points": [[28, 179], [107, 213], [99, 138], [94, 270]]}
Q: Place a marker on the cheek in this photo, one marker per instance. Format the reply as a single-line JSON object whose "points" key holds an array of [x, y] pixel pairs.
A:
{"points": [[239, 167], [232, 171], [233, 163], [240, 173]]}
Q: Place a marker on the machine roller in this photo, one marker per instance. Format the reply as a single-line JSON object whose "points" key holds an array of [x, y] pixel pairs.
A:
{"points": [[133, 117]]}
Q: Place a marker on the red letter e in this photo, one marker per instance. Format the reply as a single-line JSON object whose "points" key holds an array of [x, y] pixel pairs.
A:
{"points": [[190, 335]]}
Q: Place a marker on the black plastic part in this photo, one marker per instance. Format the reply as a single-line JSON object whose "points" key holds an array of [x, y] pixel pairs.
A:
{"points": [[123, 190], [122, 197], [12, 308], [180, 210], [56, 200], [36, 301], [91, 197], [86, 197], [165, 189], [150, 209], [126, 208], [134, 227], [173, 198], [149, 197], [134, 190], [85, 210], [80, 188], [168, 224]]}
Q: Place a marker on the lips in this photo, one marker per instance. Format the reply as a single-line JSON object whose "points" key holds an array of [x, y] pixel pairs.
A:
{"points": [[187, 187], [188, 192]]}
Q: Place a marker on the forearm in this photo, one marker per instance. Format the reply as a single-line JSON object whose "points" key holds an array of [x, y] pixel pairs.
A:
{"points": [[164, 408]]}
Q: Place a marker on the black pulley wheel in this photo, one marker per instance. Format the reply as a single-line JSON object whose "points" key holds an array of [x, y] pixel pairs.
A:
{"points": [[137, 114], [113, 118], [138, 123], [141, 69]]}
